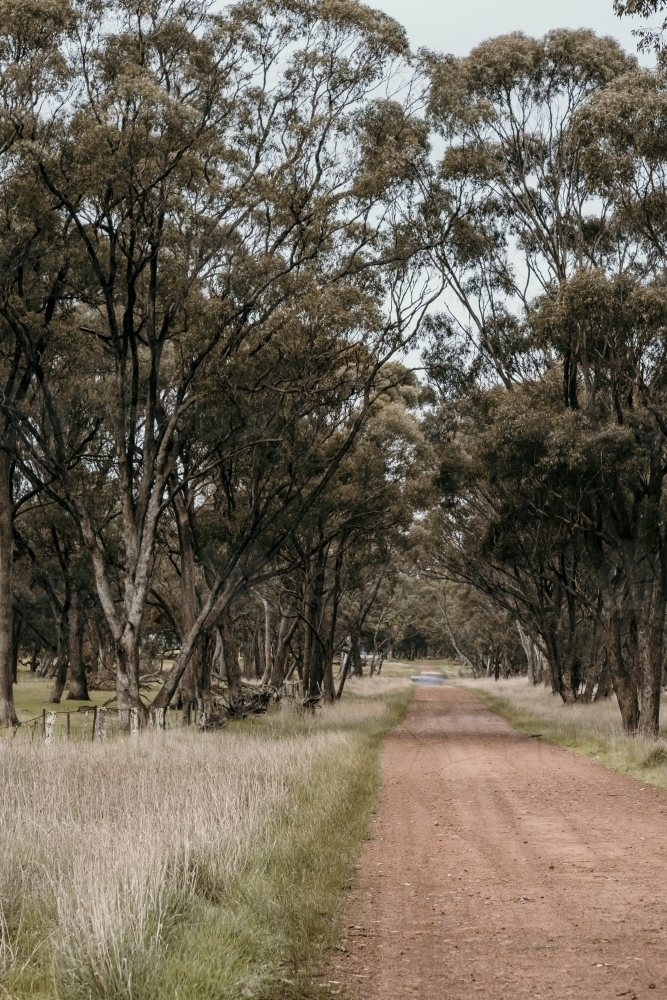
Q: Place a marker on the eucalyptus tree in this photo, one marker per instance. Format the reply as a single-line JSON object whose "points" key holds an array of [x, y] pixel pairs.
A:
{"points": [[505, 525], [350, 539], [618, 446], [527, 213], [210, 175], [31, 70], [558, 146], [650, 37]]}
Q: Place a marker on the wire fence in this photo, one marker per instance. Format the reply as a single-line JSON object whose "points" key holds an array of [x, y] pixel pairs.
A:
{"points": [[95, 723]]}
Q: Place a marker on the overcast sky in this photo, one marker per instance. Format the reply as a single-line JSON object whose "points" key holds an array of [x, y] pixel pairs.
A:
{"points": [[457, 25]]}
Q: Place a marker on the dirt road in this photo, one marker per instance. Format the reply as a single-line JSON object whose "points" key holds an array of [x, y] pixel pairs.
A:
{"points": [[503, 867]]}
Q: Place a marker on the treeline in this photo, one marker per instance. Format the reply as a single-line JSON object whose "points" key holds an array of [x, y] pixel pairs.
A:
{"points": [[551, 358], [220, 234], [209, 264]]}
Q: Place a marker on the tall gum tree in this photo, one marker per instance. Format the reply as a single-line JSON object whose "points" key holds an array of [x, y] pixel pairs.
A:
{"points": [[30, 69], [528, 215], [206, 172]]}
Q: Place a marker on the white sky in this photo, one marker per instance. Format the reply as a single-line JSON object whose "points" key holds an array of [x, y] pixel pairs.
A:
{"points": [[457, 25]]}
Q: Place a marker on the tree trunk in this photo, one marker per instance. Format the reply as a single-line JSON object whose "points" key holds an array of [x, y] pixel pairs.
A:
{"points": [[78, 687], [126, 651], [62, 653], [191, 682], [247, 656], [230, 653], [45, 664], [529, 650], [285, 633], [355, 655], [604, 688], [268, 663], [343, 675], [622, 679], [649, 648], [8, 715], [257, 653], [218, 658], [307, 635]]}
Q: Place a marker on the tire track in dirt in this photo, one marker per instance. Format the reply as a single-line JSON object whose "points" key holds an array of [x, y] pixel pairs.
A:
{"points": [[502, 867]]}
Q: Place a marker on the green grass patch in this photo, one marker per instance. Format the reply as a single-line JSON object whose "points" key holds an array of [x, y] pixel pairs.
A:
{"points": [[283, 912], [593, 730]]}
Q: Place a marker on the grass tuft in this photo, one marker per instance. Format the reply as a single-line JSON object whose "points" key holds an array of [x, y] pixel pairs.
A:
{"points": [[656, 757]]}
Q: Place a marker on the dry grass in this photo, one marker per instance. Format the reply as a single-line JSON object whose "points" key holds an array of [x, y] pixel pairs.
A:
{"points": [[376, 687], [112, 853], [592, 729]]}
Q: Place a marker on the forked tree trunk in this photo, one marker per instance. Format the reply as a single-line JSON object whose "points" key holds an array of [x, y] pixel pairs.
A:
{"points": [[45, 664], [529, 648], [8, 715], [286, 631]]}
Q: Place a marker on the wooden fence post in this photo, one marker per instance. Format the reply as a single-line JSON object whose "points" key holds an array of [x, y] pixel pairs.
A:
{"points": [[49, 721], [134, 722], [100, 724], [157, 717]]}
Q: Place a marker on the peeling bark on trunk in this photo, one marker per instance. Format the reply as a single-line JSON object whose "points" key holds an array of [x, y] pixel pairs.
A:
{"points": [[126, 652]]}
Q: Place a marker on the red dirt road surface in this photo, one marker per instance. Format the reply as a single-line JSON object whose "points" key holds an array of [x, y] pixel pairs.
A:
{"points": [[503, 867]]}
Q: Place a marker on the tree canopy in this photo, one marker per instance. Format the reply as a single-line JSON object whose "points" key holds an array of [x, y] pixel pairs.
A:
{"points": [[222, 231]]}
